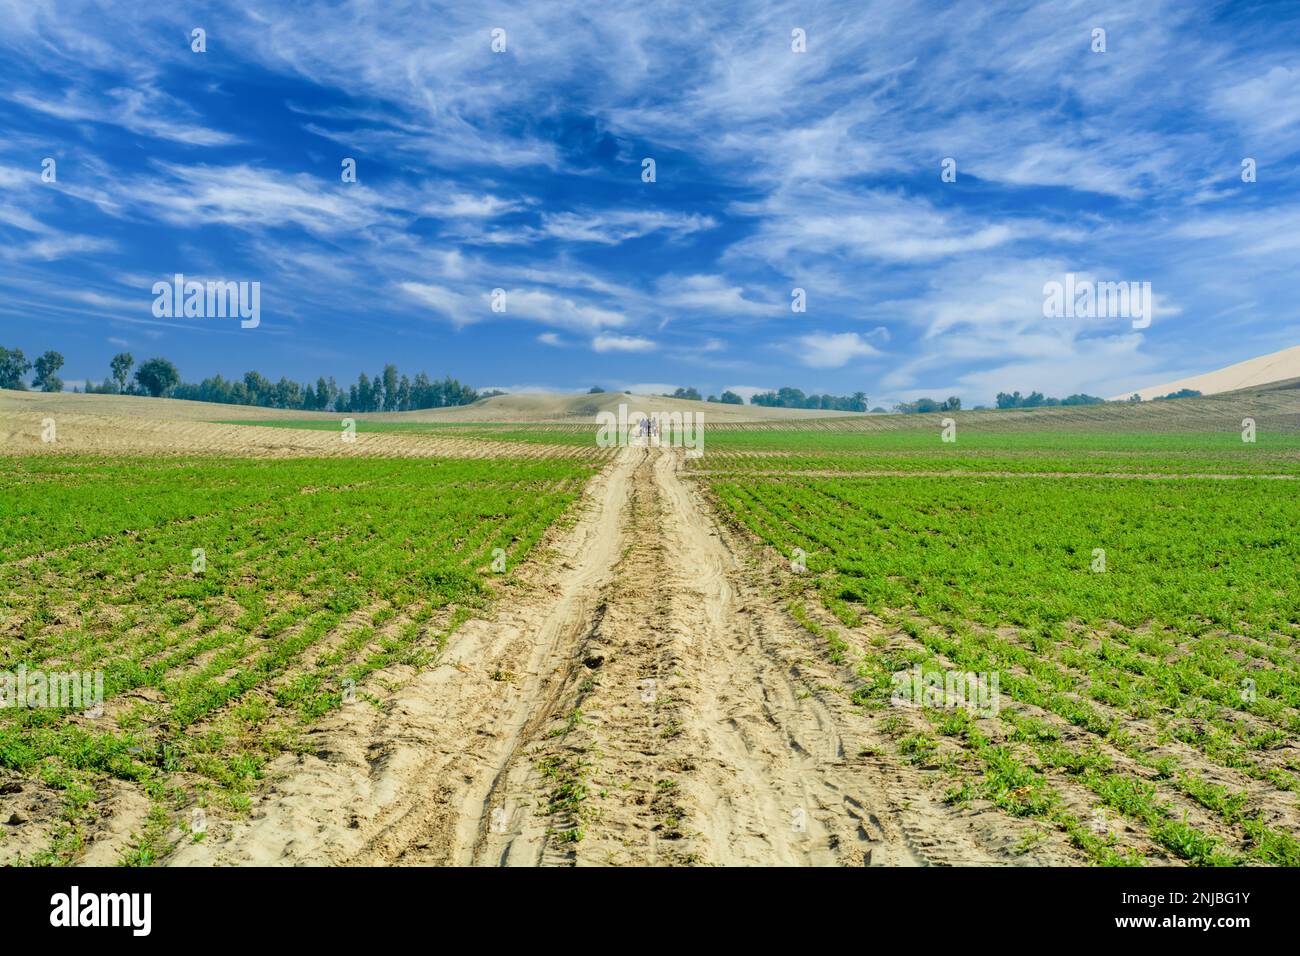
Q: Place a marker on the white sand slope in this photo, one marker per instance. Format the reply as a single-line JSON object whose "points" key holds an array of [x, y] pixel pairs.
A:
{"points": [[1262, 370]]}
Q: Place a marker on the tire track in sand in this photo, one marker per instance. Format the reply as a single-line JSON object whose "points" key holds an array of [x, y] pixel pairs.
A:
{"points": [[409, 783], [662, 709], [728, 760]]}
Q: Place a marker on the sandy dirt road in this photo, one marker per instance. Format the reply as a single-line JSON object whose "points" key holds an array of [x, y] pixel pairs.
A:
{"points": [[651, 704]]}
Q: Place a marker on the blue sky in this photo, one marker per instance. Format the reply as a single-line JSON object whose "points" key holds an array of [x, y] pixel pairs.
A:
{"points": [[522, 170]]}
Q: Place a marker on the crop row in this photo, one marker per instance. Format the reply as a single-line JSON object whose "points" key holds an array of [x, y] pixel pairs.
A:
{"points": [[1146, 630], [228, 604]]}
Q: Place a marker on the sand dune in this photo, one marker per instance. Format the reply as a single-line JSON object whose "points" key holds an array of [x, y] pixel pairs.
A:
{"points": [[1262, 370]]}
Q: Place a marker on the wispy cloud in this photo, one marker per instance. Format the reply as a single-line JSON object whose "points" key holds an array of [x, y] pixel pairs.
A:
{"points": [[833, 350], [621, 343], [142, 110], [521, 171], [612, 228]]}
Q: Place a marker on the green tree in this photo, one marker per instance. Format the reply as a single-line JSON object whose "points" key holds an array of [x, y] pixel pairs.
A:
{"points": [[157, 377], [121, 366], [47, 367], [259, 388], [392, 396], [286, 394], [363, 394], [325, 393], [731, 398], [13, 367]]}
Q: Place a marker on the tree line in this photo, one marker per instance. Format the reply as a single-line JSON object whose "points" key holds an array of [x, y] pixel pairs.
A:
{"points": [[388, 391], [923, 406], [787, 397], [782, 398], [1037, 400], [692, 394]]}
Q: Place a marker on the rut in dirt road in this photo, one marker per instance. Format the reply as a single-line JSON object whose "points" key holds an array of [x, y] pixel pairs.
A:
{"points": [[651, 703], [674, 736]]}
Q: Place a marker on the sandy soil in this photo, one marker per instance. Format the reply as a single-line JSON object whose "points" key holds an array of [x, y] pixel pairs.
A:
{"points": [[651, 695], [21, 434], [38, 404]]}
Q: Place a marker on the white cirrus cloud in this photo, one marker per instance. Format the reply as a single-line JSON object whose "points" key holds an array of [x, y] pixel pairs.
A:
{"points": [[249, 197], [453, 305], [465, 205], [810, 222], [532, 305], [709, 293], [537, 305], [833, 349], [142, 110], [1269, 102], [611, 227], [621, 343]]}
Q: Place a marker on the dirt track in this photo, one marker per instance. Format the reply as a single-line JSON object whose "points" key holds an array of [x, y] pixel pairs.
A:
{"points": [[651, 704]]}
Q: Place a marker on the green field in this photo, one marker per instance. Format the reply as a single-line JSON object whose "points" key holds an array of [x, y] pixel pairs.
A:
{"points": [[572, 435], [1169, 679], [1132, 588], [315, 575], [985, 445], [1001, 451]]}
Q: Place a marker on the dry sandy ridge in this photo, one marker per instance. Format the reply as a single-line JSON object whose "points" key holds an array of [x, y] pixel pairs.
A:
{"points": [[130, 425], [134, 425], [121, 427], [21, 434], [577, 409], [523, 407], [1272, 369]]}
